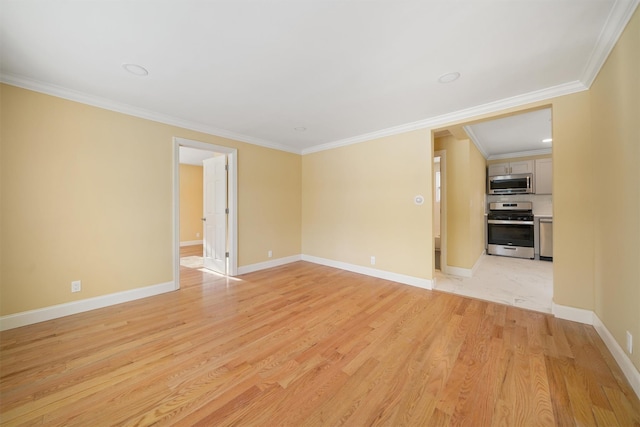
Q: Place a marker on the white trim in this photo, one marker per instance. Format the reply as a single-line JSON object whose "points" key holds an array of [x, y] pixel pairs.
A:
{"points": [[626, 365], [617, 21], [191, 243], [433, 122], [232, 155], [367, 271], [245, 269], [459, 271], [571, 313], [477, 263], [541, 152], [588, 317], [107, 104], [465, 272], [461, 115], [474, 139], [55, 311]]}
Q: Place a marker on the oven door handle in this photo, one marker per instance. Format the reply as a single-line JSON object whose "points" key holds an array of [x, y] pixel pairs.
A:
{"points": [[505, 222]]}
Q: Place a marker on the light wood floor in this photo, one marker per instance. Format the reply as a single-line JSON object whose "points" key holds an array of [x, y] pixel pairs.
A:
{"points": [[310, 345]]}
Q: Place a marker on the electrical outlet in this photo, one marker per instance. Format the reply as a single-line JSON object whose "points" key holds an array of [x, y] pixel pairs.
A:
{"points": [[629, 342], [270, 254], [76, 286], [373, 260]]}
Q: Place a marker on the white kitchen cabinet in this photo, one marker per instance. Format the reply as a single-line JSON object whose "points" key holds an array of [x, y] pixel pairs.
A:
{"points": [[544, 176], [507, 168], [525, 166]]}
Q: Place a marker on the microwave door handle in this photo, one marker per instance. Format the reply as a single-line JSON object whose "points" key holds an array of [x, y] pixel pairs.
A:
{"points": [[528, 182]]}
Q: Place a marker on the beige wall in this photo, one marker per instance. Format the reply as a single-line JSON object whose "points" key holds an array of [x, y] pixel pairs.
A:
{"points": [[465, 189], [190, 203], [273, 201], [573, 226], [615, 110], [358, 202], [477, 208], [87, 195]]}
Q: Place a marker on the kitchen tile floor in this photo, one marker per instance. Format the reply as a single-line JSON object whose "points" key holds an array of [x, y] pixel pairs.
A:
{"points": [[518, 282]]}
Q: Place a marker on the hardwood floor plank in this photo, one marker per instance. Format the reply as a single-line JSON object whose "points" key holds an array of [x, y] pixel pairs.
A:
{"points": [[623, 407], [308, 345]]}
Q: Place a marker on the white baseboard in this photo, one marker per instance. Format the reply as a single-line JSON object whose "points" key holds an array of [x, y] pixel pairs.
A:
{"points": [[465, 272], [367, 271], [191, 243], [459, 271], [268, 264], [630, 371], [571, 313], [55, 311], [588, 317]]}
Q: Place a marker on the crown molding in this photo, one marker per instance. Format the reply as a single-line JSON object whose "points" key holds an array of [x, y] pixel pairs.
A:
{"points": [[541, 152], [618, 18], [434, 122], [107, 104], [474, 138], [457, 116]]}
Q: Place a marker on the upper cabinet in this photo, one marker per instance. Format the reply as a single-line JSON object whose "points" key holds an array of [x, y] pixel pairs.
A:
{"points": [[508, 168], [544, 176]]}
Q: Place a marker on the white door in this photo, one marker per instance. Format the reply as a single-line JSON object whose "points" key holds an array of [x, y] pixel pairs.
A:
{"points": [[215, 213]]}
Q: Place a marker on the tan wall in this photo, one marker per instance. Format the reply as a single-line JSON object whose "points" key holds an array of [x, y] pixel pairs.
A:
{"points": [[465, 176], [273, 200], [615, 109], [87, 195], [573, 216], [190, 203], [358, 202], [477, 190], [457, 197]]}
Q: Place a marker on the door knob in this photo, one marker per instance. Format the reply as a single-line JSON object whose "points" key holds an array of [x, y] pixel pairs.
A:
{"points": [[204, 219]]}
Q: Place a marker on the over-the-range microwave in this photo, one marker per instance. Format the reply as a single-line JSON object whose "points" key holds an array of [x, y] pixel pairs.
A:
{"points": [[520, 183]]}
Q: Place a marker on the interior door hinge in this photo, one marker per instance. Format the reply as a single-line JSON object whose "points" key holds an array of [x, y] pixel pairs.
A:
{"points": [[226, 210], [226, 167], [226, 254]]}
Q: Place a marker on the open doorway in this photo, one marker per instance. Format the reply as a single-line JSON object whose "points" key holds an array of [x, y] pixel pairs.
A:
{"points": [[212, 215], [439, 211], [515, 140]]}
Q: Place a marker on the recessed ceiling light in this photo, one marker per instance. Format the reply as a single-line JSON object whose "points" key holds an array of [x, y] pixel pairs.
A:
{"points": [[136, 69], [449, 77], [300, 128], [547, 140]]}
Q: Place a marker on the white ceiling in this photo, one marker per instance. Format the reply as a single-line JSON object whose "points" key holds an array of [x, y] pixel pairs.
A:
{"points": [[343, 70], [521, 134]]}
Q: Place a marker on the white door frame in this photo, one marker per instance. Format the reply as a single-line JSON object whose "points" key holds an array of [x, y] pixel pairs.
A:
{"points": [[232, 156], [443, 207]]}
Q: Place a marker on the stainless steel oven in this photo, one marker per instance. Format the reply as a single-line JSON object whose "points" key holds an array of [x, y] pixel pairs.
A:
{"points": [[510, 229]]}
